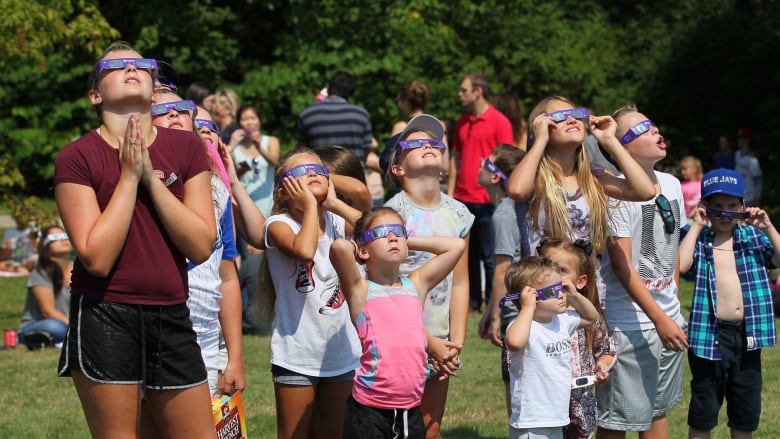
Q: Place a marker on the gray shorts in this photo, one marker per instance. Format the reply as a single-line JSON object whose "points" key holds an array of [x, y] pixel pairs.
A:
{"points": [[536, 433], [646, 382], [291, 378]]}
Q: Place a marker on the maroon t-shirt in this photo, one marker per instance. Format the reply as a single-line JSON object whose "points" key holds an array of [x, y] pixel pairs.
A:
{"points": [[149, 270]]}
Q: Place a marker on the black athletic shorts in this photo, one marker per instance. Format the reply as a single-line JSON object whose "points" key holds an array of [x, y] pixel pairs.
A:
{"points": [[114, 343]]}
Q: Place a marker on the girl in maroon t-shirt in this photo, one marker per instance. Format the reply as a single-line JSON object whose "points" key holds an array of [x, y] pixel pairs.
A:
{"points": [[135, 202]]}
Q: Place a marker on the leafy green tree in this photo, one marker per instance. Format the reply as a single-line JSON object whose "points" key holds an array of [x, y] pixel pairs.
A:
{"points": [[42, 89]]}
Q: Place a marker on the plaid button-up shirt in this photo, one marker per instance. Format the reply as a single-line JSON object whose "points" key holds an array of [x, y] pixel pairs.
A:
{"points": [[753, 254]]}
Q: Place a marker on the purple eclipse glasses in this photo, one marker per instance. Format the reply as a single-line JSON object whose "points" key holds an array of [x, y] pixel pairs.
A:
{"points": [[382, 231]]}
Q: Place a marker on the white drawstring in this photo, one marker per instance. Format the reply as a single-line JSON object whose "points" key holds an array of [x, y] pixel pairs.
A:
{"points": [[405, 423]]}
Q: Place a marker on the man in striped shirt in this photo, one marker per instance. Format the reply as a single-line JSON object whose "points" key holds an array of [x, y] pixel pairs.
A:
{"points": [[334, 121]]}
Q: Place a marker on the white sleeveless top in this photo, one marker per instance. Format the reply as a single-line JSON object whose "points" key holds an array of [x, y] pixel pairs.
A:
{"points": [[307, 338]]}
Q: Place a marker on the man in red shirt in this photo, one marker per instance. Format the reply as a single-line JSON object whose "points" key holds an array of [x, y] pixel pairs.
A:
{"points": [[478, 130]]}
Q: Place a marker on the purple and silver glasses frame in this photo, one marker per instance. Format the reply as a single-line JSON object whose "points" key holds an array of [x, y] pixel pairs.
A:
{"points": [[382, 231], [730, 215], [549, 292], [301, 170], [491, 167], [561, 115], [180, 107], [636, 131], [210, 124]]}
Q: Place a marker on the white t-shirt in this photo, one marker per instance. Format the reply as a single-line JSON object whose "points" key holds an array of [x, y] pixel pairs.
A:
{"points": [[653, 255], [304, 339], [540, 374]]}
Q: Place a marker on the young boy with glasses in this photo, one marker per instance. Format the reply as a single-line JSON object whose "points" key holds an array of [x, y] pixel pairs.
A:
{"points": [[539, 345], [731, 315], [640, 274]]}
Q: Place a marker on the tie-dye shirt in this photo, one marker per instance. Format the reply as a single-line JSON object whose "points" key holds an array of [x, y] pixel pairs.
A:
{"points": [[449, 218]]}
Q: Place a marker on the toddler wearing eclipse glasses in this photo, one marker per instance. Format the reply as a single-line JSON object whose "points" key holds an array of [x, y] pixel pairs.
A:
{"points": [[538, 342]]}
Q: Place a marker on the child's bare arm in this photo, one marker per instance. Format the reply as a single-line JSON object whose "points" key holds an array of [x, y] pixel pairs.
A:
{"points": [[672, 336], [637, 185], [688, 244], [583, 306], [759, 218], [447, 251], [333, 204], [354, 287], [517, 333], [521, 182], [301, 246], [353, 190]]}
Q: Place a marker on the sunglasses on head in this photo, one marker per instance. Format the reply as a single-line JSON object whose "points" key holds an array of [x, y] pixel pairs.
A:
{"points": [[636, 131], [210, 124], [55, 237], [383, 231], [180, 107], [301, 170], [665, 207], [730, 215], [561, 115], [549, 292], [491, 167]]}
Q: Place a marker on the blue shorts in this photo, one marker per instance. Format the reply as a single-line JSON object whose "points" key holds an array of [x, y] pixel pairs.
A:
{"points": [[115, 343], [291, 378], [736, 376]]}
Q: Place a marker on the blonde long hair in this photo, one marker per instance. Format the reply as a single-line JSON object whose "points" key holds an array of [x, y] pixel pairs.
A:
{"points": [[548, 191]]}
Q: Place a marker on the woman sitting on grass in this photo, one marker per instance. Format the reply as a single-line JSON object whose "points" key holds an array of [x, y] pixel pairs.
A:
{"points": [[45, 317]]}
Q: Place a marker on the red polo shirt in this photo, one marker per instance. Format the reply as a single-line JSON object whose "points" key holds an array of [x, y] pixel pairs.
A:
{"points": [[475, 138]]}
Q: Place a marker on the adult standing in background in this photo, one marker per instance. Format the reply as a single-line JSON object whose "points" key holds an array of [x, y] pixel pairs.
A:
{"points": [[724, 157], [478, 130], [747, 165], [226, 103], [334, 121]]}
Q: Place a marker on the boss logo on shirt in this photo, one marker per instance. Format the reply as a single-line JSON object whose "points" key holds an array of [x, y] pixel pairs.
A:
{"points": [[558, 348]]}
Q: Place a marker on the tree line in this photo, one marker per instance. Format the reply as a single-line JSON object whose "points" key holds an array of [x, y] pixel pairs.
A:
{"points": [[698, 68]]}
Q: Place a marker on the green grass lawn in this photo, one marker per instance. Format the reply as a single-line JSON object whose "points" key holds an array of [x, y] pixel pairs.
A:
{"points": [[37, 404]]}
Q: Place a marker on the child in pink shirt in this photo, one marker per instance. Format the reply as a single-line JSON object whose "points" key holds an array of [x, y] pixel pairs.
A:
{"points": [[387, 312]]}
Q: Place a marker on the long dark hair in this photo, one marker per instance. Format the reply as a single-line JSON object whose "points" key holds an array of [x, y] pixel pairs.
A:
{"points": [[46, 265]]}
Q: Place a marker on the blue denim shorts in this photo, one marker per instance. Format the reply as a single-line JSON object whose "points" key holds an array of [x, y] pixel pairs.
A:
{"points": [[291, 378]]}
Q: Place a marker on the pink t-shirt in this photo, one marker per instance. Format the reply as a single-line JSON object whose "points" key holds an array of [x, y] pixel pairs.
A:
{"points": [[393, 362], [475, 138], [149, 269], [691, 195]]}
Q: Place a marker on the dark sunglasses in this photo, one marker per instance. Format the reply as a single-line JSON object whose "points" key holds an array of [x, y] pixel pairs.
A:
{"points": [[491, 167], [665, 207], [636, 131], [730, 215], [210, 124], [382, 231], [180, 107], [561, 115], [548, 292], [301, 170]]}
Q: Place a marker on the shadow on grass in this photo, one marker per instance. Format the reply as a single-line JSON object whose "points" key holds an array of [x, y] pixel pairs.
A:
{"points": [[468, 433]]}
